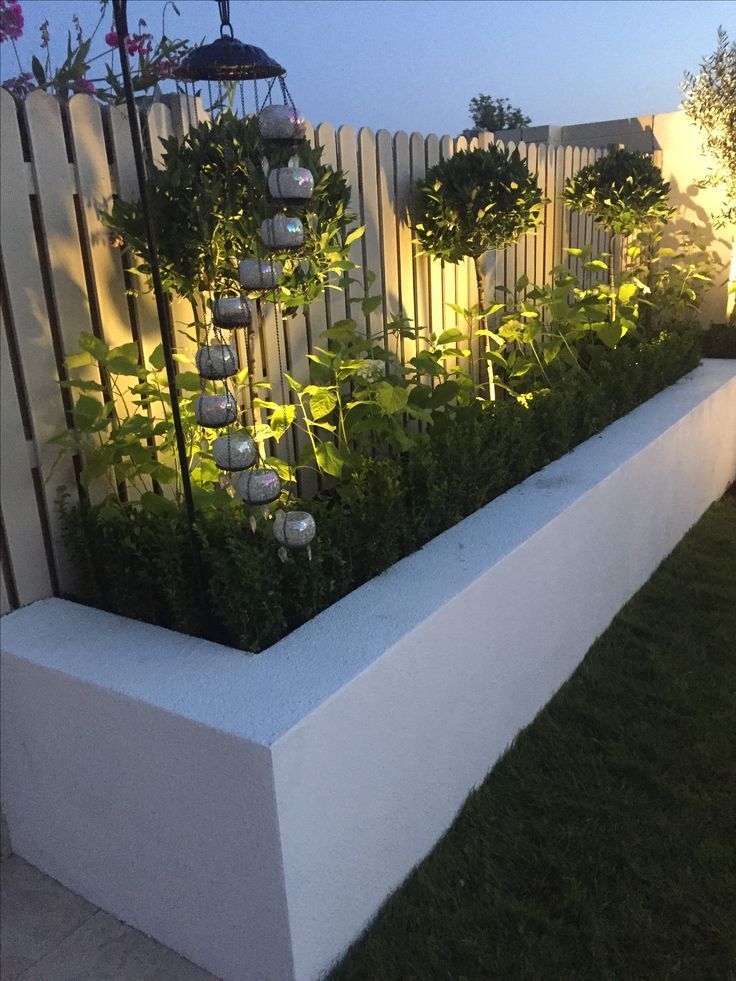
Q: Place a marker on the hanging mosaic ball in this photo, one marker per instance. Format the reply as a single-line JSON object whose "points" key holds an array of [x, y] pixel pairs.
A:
{"points": [[259, 486], [291, 185], [282, 232], [281, 124], [294, 529], [215, 411], [260, 274], [231, 312], [235, 451], [217, 361]]}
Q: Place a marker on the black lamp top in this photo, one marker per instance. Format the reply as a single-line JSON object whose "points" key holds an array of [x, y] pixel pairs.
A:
{"points": [[227, 59]]}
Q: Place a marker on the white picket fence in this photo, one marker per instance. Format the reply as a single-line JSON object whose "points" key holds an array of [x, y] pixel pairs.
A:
{"points": [[61, 164]]}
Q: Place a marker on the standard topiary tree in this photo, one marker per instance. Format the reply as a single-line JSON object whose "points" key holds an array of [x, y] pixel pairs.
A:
{"points": [[475, 201], [625, 193]]}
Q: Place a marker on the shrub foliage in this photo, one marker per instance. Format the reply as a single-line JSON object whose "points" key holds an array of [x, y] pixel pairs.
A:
{"points": [[230, 586]]}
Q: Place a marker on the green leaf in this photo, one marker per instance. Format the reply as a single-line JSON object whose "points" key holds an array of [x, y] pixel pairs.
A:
{"points": [[281, 420], [322, 402], [38, 72], [355, 235], [80, 360], [391, 398], [342, 330], [287, 473], [88, 412], [157, 358], [626, 292], [329, 459], [370, 303], [189, 381], [452, 334], [444, 393], [609, 333], [156, 504], [93, 345], [521, 283]]}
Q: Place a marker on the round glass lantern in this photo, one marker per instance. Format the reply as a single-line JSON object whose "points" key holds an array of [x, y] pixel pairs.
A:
{"points": [[217, 361]]}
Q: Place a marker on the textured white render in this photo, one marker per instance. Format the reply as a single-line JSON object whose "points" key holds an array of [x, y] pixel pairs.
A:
{"points": [[253, 812]]}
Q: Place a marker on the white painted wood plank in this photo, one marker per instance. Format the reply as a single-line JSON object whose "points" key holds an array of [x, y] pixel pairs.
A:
{"points": [[405, 234], [436, 312], [56, 189], [347, 152], [95, 191], [30, 317], [5, 605], [371, 217], [421, 263], [509, 253], [23, 529], [389, 223], [449, 270]]}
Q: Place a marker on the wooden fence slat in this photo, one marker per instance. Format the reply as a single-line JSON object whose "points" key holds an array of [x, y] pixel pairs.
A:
{"points": [[449, 270], [33, 330], [436, 309], [549, 215], [95, 191], [23, 530], [5, 605], [127, 188], [405, 234], [418, 169], [371, 218], [347, 154], [509, 254], [538, 235], [389, 222], [56, 189]]}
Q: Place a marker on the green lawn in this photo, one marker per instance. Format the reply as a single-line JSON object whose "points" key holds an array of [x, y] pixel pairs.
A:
{"points": [[603, 844]]}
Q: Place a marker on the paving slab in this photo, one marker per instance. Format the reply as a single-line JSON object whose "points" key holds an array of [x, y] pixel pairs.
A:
{"points": [[104, 949], [37, 915], [49, 933]]}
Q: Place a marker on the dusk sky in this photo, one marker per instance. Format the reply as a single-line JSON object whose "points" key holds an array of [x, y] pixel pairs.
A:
{"points": [[415, 64]]}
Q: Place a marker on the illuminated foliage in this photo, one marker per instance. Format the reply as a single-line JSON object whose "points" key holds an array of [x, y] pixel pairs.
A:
{"points": [[623, 191], [475, 201], [710, 101]]}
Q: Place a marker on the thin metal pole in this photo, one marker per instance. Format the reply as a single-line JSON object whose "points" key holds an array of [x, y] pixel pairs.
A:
{"points": [[162, 305]]}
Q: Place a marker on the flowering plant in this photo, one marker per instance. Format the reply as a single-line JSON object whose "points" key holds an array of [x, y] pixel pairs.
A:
{"points": [[156, 60]]}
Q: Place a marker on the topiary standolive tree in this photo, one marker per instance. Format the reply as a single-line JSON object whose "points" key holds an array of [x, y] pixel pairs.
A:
{"points": [[710, 101], [624, 192], [473, 202]]}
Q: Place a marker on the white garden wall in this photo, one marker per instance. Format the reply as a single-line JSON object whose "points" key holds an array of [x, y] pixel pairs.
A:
{"points": [[253, 812]]}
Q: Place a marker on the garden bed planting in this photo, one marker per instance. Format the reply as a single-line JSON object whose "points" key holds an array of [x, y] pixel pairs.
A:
{"points": [[253, 813]]}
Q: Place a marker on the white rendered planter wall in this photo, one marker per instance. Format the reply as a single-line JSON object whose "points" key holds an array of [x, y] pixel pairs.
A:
{"points": [[253, 812]]}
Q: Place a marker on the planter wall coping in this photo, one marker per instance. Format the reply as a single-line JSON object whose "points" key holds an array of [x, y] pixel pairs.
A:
{"points": [[261, 697]]}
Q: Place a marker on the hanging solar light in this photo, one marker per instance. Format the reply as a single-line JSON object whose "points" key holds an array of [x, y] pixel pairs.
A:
{"points": [[235, 72]]}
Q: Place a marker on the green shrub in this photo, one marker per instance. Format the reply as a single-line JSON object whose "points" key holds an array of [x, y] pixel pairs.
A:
{"points": [[719, 341], [623, 191], [143, 565]]}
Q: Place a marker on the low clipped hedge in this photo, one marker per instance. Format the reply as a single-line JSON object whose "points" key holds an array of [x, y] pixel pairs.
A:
{"points": [[719, 341], [231, 586]]}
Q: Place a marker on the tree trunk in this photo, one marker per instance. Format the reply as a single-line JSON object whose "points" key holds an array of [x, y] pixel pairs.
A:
{"points": [[612, 275], [478, 262]]}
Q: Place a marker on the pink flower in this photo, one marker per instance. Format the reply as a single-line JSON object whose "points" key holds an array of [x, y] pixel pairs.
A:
{"points": [[139, 44], [19, 86], [83, 85], [11, 20], [111, 38]]}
